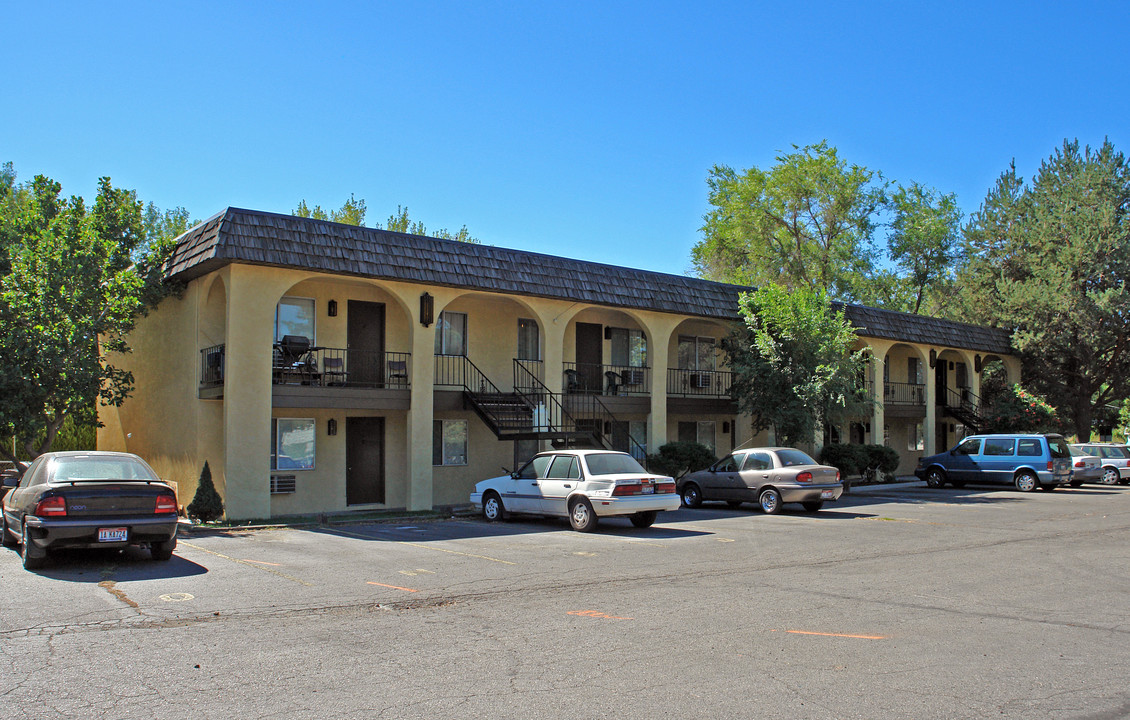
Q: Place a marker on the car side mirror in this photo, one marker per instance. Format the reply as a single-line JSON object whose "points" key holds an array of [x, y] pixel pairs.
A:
{"points": [[10, 481]]}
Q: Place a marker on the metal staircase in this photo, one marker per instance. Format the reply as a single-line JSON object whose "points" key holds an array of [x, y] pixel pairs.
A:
{"points": [[963, 406], [531, 411]]}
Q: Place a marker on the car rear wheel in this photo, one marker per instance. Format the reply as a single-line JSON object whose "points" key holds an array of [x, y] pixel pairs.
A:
{"points": [[33, 557], [935, 478], [644, 519], [493, 509], [1026, 482], [770, 501], [1110, 476], [581, 516], [692, 496], [813, 505], [162, 551]]}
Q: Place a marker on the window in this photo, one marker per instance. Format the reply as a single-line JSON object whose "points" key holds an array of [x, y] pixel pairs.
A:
{"points": [[758, 461], [535, 468], [449, 442], [915, 437], [564, 467], [998, 446], [696, 353], [629, 347], [701, 432], [637, 429], [451, 333], [529, 346], [292, 444], [1028, 447], [729, 464], [969, 446], [295, 316]]}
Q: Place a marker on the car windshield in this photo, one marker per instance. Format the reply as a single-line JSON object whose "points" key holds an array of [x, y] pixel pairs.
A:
{"points": [[792, 458], [73, 469], [612, 464]]}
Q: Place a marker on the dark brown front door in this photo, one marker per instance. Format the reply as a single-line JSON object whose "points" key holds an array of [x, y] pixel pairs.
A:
{"points": [[590, 351], [364, 460], [366, 341]]}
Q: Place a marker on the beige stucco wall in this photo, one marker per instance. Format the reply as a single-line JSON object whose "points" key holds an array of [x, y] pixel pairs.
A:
{"points": [[171, 426]]}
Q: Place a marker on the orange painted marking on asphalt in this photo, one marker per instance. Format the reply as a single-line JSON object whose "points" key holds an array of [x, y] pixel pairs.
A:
{"points": [[596, 614], [260, 562], [394, 587], [857, 637]]}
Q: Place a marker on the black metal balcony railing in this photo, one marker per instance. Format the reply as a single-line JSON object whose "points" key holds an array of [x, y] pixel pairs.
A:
{"points": [[593, 379], [699, 383], [341, 367], [895, 393], [212, 366]]}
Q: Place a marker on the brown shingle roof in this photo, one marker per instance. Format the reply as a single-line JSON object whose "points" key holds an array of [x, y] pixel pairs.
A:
{"points": [[261, 238]]}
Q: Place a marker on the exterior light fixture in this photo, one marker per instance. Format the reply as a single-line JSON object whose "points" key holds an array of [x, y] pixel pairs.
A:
{"points": [[331, 426], [725, 427], [977, 363], [331, 308], [427, 309], [933, 357]]}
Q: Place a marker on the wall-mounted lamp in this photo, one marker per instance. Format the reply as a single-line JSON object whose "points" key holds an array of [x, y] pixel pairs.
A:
{"points": [[331, 426], [725, 427], [977, 363], [427, 309], [951, 364], [607, 332], [331, 308], [933, 357]]}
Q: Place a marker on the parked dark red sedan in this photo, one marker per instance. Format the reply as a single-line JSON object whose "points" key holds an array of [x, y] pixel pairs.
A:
{"points": [[85, 500]]}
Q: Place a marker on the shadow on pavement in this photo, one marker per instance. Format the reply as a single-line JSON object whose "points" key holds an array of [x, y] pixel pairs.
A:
{"points": [[125, 565]]}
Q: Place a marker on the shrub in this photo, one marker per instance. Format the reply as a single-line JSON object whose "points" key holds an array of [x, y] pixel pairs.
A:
{"points": [[881, 462], [206, 506], [679, 458], [1018, 410], [848, 459]]}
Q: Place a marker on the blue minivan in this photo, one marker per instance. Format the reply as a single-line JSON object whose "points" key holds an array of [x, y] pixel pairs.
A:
{"points": [[1027, 461]]}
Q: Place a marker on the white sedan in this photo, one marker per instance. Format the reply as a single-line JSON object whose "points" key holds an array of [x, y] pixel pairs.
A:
{"points": [[582, 485]]}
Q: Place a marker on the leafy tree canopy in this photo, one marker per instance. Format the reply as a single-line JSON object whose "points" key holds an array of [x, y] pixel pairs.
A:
{"points": [[73, 280], [793, 364], [352, 212], [1049, 261], [810, 221]]}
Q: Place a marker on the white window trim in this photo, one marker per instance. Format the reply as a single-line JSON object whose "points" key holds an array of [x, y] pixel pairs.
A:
{"points": [[275, 449], [314, 315]]}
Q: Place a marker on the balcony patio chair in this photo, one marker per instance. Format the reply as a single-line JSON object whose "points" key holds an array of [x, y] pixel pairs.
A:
{"points": [[333, 371], [615, 382], [398, 372]]}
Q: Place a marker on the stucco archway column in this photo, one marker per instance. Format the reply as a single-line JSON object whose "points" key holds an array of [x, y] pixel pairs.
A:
{"points": [[878, 410], [931, 424], [247, 394], [659, 329]]}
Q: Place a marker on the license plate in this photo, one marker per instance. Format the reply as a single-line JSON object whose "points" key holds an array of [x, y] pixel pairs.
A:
{"points": [[826, 494], [112, 534], [647, 490]]}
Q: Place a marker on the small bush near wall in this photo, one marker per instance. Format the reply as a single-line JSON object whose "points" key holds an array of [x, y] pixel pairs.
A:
{"points": [[872, 463], [848, 459], [679, 458]]}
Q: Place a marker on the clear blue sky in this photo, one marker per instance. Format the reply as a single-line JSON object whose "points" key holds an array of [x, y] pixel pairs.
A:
{"points": [[577, 129]]}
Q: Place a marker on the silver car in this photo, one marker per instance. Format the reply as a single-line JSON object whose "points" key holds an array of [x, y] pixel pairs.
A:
{"points": [[1115, 459], [768, 476], [1085, 468]]}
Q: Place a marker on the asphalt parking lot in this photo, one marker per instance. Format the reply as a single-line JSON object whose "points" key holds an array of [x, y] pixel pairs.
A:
{"points": [[894, 602]]}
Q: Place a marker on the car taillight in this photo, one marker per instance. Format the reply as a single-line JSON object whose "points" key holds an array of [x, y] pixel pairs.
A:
{"points": [[51, 507], [1050, 466], [634, 489], [1080, 464], [804, 476], [665, 487], [165, 504]]}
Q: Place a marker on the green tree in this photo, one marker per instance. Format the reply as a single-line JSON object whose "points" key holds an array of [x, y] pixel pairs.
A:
{"points": [[925, 233], [1049, 260], [807, 222], [352, 212], [73, 282], [793, 364], [206, 505], [400, 222]]}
